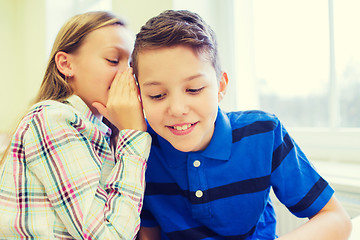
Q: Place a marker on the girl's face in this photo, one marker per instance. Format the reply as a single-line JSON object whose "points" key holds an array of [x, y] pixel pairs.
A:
{"points": [[95, 64]]}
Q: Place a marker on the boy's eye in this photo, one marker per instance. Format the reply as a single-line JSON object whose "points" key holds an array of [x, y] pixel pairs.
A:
{"points": [[158, 96], [195, 90], [113, 61]]}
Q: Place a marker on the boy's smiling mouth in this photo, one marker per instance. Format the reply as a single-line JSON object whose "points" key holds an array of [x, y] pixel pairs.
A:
{"points": [[182, 129]]}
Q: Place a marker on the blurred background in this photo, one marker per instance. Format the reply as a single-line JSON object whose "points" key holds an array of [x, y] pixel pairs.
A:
{"points": [[297, 59]]}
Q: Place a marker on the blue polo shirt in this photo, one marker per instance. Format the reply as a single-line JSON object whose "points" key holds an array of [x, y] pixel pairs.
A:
{"points": [[223, 191]]}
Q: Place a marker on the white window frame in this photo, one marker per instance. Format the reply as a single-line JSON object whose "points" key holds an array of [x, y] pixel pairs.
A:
{"points": [[319, 144]]}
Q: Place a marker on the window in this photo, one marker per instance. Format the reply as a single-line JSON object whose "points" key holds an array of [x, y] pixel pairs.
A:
{"points": [[306, 61], [347, 60], [301, 61], [291, 52]]}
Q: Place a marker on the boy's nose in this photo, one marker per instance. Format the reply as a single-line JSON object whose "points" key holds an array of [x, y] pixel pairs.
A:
{"points": [[178, 107]]}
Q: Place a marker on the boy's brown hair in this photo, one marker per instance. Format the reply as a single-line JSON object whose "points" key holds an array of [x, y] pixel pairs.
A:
{"points": [[181, 27]]}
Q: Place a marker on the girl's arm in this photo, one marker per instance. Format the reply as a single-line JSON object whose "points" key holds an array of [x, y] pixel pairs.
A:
{"points": [[94, 195]]}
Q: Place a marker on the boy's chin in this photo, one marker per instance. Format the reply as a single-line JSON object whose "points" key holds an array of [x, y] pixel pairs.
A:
{"points": [[185, 148], [182, 149]]}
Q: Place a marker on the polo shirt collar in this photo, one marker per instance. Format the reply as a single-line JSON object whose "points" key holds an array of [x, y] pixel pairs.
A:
{"points": [[221, 141], [219, 147]]}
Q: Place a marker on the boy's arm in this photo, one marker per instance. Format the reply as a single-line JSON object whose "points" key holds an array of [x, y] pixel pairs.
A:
{"points": [[149, 233], [331, 222]]}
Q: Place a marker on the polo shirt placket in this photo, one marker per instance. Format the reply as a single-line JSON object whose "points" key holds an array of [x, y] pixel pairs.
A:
{"points": [[198, 187]]}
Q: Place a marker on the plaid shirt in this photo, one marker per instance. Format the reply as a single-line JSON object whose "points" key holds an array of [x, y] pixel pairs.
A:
{"points": [[61, 179]]}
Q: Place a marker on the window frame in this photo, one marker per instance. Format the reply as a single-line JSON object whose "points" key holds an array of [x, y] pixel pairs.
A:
{"points": [[331, 143]]}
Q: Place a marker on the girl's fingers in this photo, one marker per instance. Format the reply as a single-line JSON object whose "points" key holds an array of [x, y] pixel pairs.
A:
{"points": [[114, 85], [121, 80], [124, 98], [126, 85]]}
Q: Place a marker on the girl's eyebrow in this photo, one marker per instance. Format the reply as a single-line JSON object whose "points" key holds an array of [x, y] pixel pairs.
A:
{"points": [[119, 49]]}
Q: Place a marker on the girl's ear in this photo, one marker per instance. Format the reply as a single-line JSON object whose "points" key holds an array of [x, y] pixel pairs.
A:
{"points": [[222, 86], [62, 61]]}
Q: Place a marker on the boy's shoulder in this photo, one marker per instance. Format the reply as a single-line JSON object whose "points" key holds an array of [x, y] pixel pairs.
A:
{"points": [[243, 118], [248, 123]]}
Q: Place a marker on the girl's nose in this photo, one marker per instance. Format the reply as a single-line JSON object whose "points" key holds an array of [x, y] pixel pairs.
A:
{"points": [[123, 65]]}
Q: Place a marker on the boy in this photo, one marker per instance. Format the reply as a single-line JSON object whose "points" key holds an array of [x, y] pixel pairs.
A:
{"points": [[209, 172]]}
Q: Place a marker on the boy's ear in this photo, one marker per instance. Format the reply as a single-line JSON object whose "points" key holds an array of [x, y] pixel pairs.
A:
{"points": [[62, 61], [222, 86]]}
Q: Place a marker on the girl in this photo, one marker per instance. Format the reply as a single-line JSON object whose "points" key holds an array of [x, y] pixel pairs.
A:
{"points": [[67, 174]]}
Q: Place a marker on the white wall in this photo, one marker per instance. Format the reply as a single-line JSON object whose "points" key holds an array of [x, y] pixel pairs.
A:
{"points": [[136, 13], [22, 56], [7, 48]]}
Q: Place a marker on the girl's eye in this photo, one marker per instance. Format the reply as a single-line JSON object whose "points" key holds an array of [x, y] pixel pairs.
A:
{"points": [[158, 96], [113, 61], [195, 90]]}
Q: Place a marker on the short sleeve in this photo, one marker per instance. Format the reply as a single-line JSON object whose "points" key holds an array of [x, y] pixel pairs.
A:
{"points": [[294, 179]]}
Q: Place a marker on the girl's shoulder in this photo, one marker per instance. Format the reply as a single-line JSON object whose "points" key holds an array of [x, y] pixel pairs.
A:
{"points": [[50, 109], [48, 114]]}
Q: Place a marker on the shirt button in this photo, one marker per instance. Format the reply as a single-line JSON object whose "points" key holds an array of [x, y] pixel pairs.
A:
{"points": [[198, 193], [196, 163]]}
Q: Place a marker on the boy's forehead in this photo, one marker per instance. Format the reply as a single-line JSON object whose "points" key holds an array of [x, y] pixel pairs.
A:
{"points": [[202, 55], [181, 60], [156, 66]]}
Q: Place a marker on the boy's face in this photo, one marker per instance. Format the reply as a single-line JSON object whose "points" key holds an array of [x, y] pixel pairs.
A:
{"points": [[180, 95]]}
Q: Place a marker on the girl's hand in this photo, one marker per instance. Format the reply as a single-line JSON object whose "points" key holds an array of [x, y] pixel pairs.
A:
{"points": [[123, 108]]}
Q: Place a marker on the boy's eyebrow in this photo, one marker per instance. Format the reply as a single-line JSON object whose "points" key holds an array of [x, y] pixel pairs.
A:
{"points": [[154, 83], [194, 76]]}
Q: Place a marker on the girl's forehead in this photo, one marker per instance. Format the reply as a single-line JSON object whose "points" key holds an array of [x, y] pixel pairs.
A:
{"points": [[112, 34]]}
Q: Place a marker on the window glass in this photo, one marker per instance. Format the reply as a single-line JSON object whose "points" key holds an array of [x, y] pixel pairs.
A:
{"points": [[291, 56], [347, 59]]}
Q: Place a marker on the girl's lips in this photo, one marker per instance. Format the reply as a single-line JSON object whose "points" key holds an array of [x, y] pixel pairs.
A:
{"points": [[182, 129]]}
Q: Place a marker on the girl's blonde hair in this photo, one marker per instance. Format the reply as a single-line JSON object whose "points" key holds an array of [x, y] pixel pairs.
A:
{"points": [[70, 37]]}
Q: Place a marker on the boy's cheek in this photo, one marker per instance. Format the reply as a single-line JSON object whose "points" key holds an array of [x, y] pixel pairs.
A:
{"points": [[150, 113], [145, 106]]}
